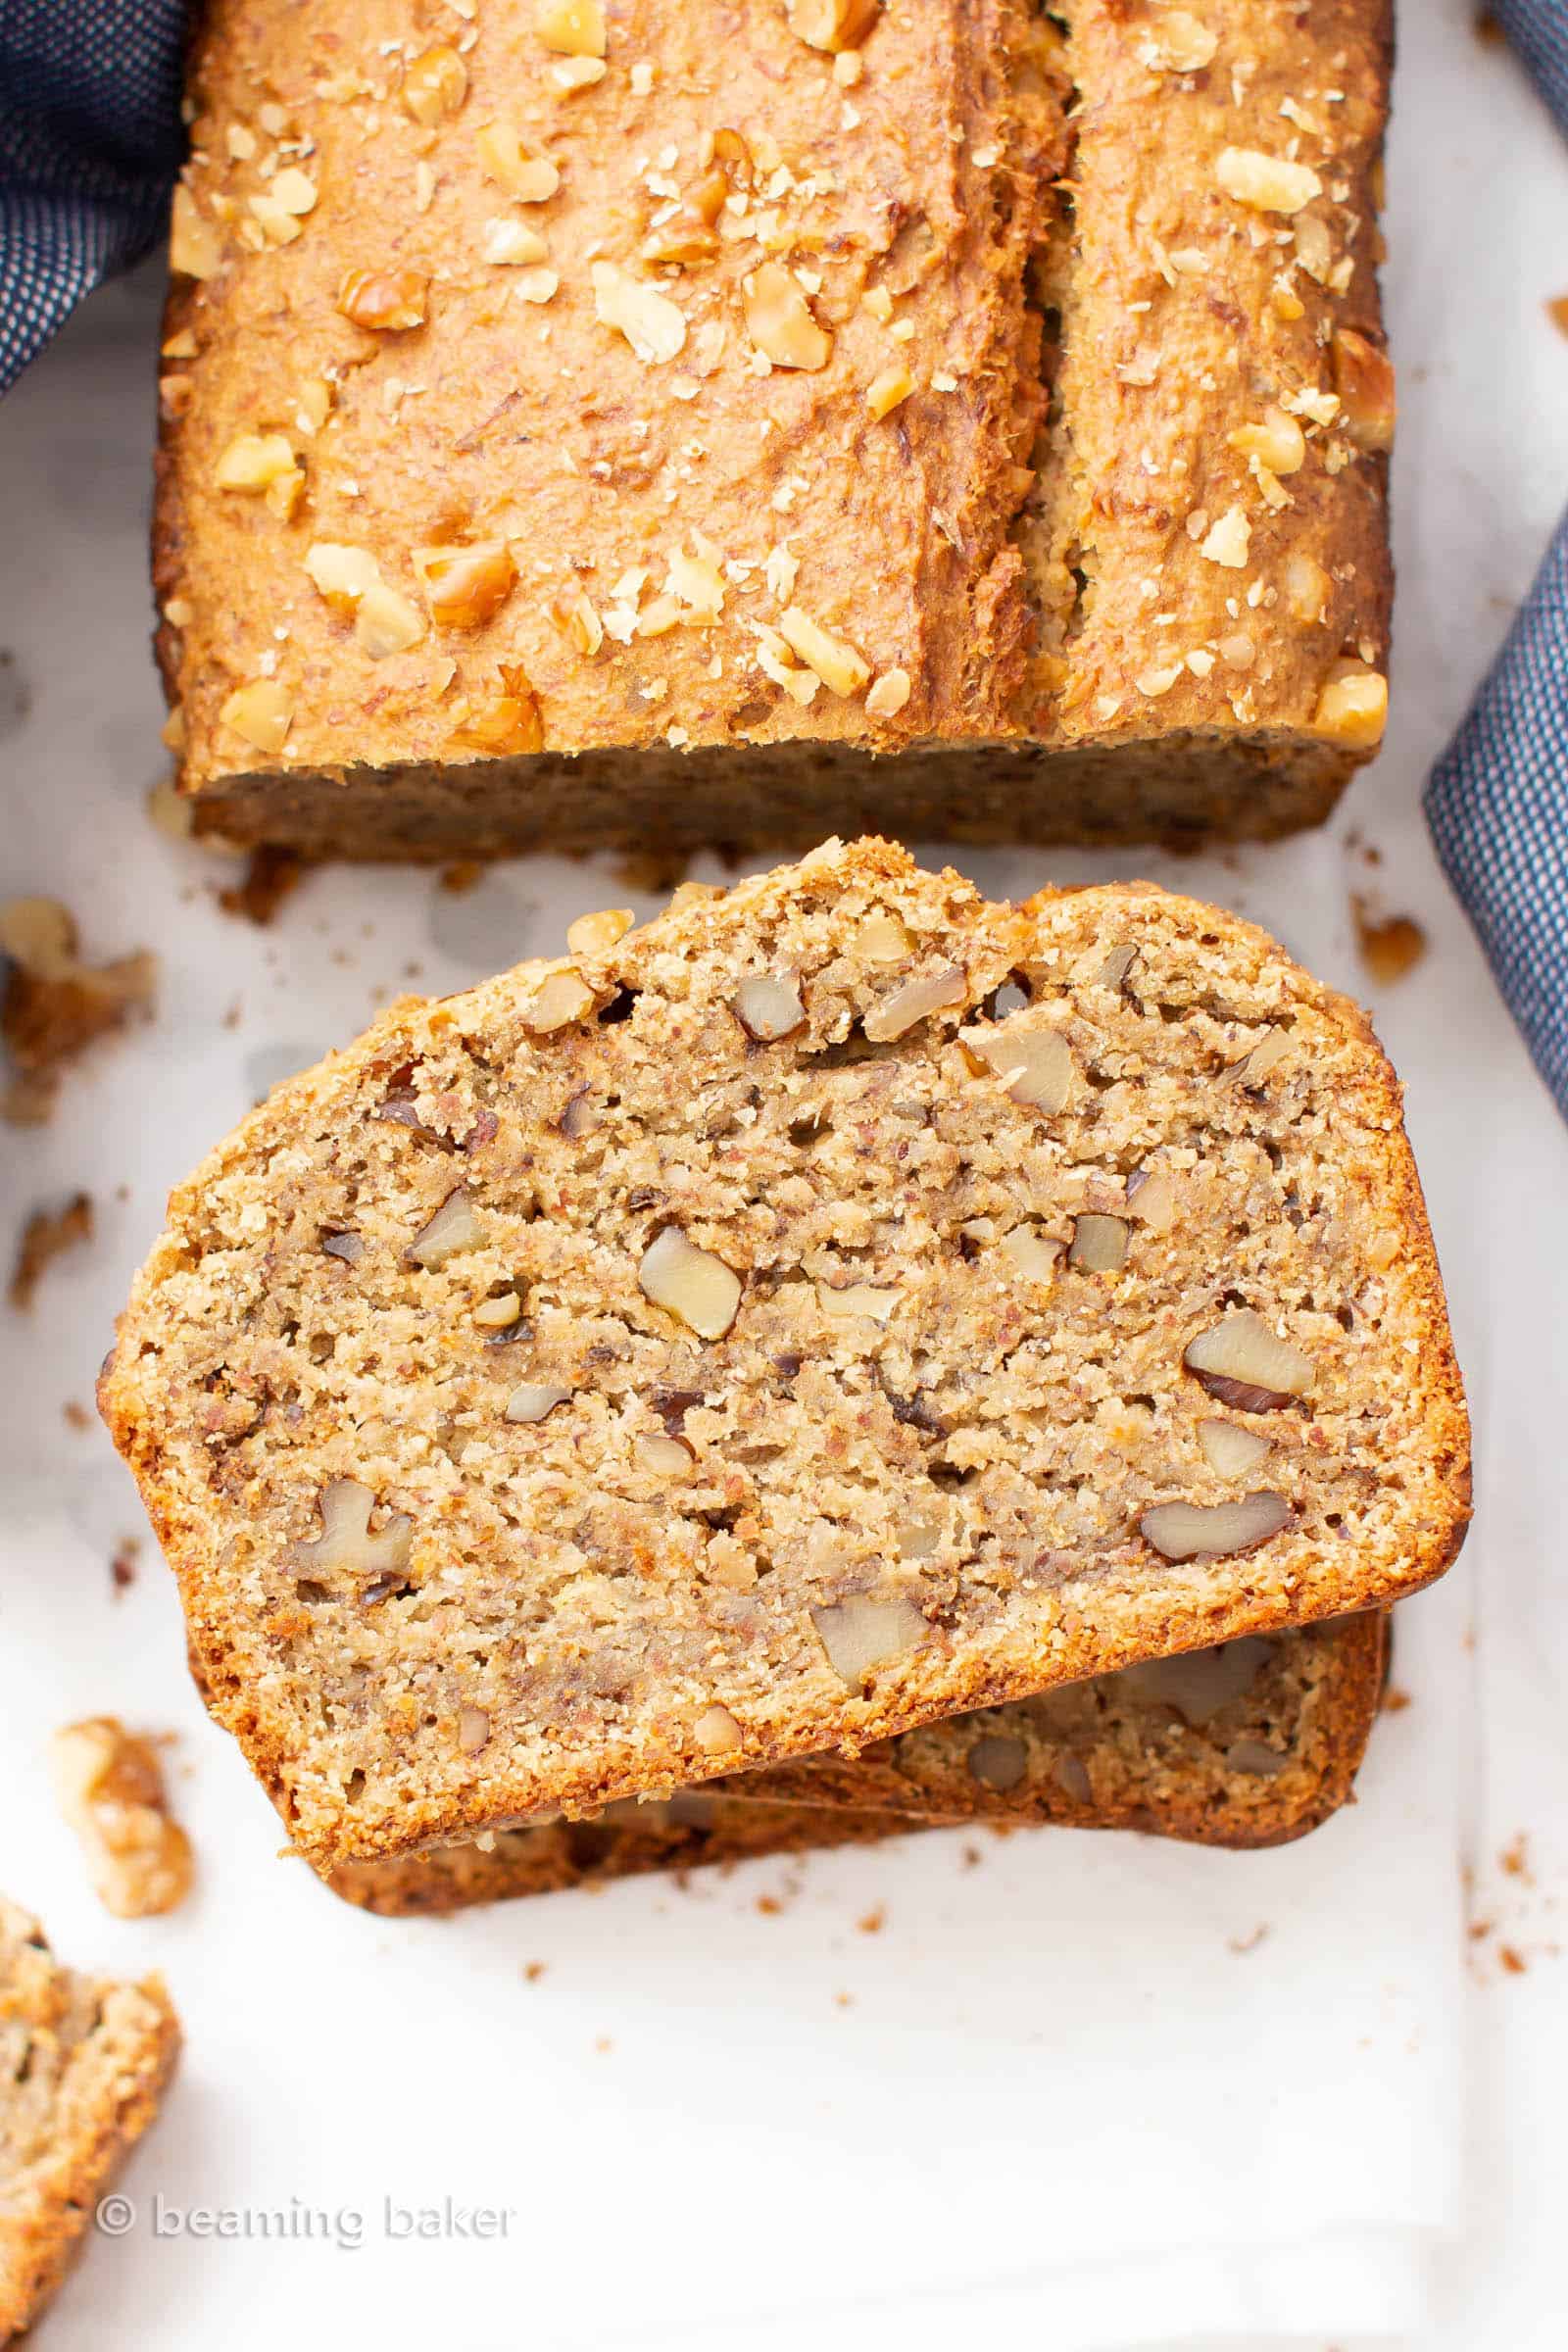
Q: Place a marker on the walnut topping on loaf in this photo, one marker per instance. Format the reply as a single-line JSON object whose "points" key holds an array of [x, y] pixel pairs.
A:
{"points": [[726, 1386], [877, 377]]}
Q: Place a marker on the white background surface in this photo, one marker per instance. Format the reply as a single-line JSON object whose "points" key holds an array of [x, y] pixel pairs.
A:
{"points": [[1058, 2097]]}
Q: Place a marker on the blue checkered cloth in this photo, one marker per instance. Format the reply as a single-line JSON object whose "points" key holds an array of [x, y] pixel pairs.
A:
{"points": [[1497, 802], [90, 141]]}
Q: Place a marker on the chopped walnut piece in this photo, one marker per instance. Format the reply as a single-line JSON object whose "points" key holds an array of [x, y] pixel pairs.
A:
{"points": [[530, 179], [1278, 443], [1307, 589], [833, 25], [346, 1545], [691, 1283], [1034, 1253], [473, 1729], [571, 27], [506, 722], [1034, 1064], [1198, 1683], [779, 321], [915, 1001], [716, 1731], [261, 712], [1229, 540], [1098, 1244], [888, 695], [534, 1400], [1248, 1366], [560, 999], [466, 586], [1255, 1066], [47, 1235], [1193, 1531], [840, 667], [341, 574], [880, 937], [998, 1760], [864, 1632], [1269, 183], [1354, 706], [513, 244], [435, 85], [386, 622], [594, 934], [453, 1229], [1152, 1199], [865, 1302], [195, 245], [1229, 1449], [255, 462], [767, 1008], [886, 391], [652, 324], [110, 1787], [1363, 378], [1179, 43], [387, 302], [499, 1314]]}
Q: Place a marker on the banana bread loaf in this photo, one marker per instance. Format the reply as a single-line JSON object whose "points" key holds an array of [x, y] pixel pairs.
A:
{"points": [[840, 1304], [999, 388], [82, 2068]]}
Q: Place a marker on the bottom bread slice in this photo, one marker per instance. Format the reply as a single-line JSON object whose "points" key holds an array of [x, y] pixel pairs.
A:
{"points": [[82, 2065], [1247, 1746], [1250, 1743], [692, 1827]]}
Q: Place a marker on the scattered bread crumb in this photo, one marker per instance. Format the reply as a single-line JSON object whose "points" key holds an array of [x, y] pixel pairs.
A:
{"points": [[122, 1566], [1395, 1701], [1557, 312], [1391, 946], [48, 1234], [874, 1920], [461, 877], [1515, 1859], [1513, 1961], [271, 877], [1247, 1944], [75, 1415], [110, 1787], [769, 1905], [533, 1970]]}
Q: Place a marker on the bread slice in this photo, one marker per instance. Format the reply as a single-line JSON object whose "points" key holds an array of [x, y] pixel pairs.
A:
{"points": [[1214, 1748], [693, 1829], [82, 2067], [840, 1304], [1019, 407], [1250, 1744]]}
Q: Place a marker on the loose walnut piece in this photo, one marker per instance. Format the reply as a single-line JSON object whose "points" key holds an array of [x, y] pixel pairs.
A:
{"points": [[110, 1787], [1363, 376], [780, 321], [1248, 1366], [466, 586], [1098, 1244], [915, 1001], [385, 301], [434, 86], [536, 1400], [453, 1229], [1191, 1530], [691, 1283], [259, 714], [1034, 1064], [47, 1235], [833, 25], [1353, 707], [716, 1731], [652, 324], [1230, 1450], [346, 1545], [1269, 183], [768, 1008]]}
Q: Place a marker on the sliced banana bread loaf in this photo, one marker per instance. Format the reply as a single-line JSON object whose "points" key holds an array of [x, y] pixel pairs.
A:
{"points": [[838, 1304]]}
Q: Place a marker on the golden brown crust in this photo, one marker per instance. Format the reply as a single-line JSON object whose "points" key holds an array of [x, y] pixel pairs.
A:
{"points": [[992, 609], [84, 2065], [225, 1388]]}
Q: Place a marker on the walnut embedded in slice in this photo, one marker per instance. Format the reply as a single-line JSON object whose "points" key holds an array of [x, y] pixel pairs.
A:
{"points": [[691, 1283], [1245, 1364], [1098, 1244], [1230, 1450], [1034, 1253], [998, 1760], [536, 1400], [1033, 1062], [109, 1785], [864, 1632], [1200, 1682], [1194, 1530], [915, 1001], [345, 1545], [453, 1229], [716, 1731], [769, 1007]]}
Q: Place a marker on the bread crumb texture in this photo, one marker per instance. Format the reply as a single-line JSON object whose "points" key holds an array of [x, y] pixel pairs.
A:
{"points": [[946, 378], [82, 2067], [840, 1304]]}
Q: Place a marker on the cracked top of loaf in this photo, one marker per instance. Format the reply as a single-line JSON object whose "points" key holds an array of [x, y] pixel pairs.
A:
{"points": [[840, 1304], [863, 373]]}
